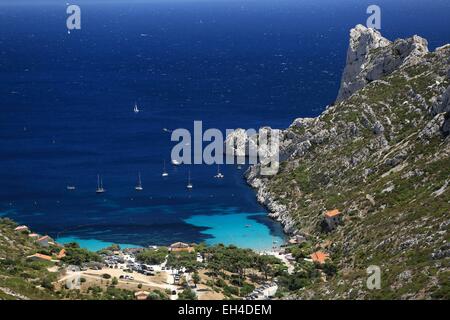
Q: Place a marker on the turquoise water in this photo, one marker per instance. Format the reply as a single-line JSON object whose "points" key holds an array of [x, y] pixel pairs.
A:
{"points": [[240, 229], [92, 244]]}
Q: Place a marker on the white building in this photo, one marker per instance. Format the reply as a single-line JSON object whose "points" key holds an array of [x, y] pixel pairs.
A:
{"points": [[45, 241]]}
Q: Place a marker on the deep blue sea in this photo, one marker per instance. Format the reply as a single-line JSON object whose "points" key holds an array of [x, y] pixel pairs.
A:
{"points": [[66, 106]]}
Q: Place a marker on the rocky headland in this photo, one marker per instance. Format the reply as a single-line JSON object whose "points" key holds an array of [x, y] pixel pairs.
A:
{"points": [[380, 155]]}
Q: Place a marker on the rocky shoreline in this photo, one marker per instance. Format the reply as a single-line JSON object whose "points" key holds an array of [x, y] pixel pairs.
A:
{"points": [[277, 211]]}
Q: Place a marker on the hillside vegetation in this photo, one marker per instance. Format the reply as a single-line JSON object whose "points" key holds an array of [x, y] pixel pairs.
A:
{"points": [[19, 278], [381, 157]]}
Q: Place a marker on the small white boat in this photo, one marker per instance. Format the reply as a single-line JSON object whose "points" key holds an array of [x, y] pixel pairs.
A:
{"points": [[164, 173], [136, 109], [189, 185], [100, 188], [139, 185], [70, 188], [219, 175], [176, 162]]}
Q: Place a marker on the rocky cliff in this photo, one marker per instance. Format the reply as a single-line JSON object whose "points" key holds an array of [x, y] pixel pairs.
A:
{"points": [[380, 155], [370, 57]]}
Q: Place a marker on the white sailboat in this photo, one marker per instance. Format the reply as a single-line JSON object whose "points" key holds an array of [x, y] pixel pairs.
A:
{"points": [[70, 187], [139, 185], [100, 188], [175, 162], [136, 109], [164, 173], [189, 185], [219, 175]]}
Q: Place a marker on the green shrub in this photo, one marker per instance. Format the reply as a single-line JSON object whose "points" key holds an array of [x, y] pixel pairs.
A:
{"points": [[78, 256], [153, 296], [152, 256], [47, 283], [230, 290], [246, 289], [220, 283], [187, 294]]}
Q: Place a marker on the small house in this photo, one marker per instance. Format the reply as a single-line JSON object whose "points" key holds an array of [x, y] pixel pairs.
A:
{"points": [[332, 218], [180, 247], [319, 257], [45, 241], [21, 228], [34, 236], [39, 257], [61, 254], [141, 295]]}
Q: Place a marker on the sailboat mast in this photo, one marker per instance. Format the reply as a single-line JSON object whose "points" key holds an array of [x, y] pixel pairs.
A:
{"points": [[189, 185]]}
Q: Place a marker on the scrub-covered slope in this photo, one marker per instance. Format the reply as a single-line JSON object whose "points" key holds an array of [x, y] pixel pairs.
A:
{"points": [[380, 155]]}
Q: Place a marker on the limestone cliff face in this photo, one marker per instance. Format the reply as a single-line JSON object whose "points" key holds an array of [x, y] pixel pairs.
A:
{"points": [[381, 155], [370, 56]]}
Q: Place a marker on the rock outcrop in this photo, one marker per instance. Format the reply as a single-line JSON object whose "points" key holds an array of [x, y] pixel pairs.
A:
{"points": [[370, 56]]}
